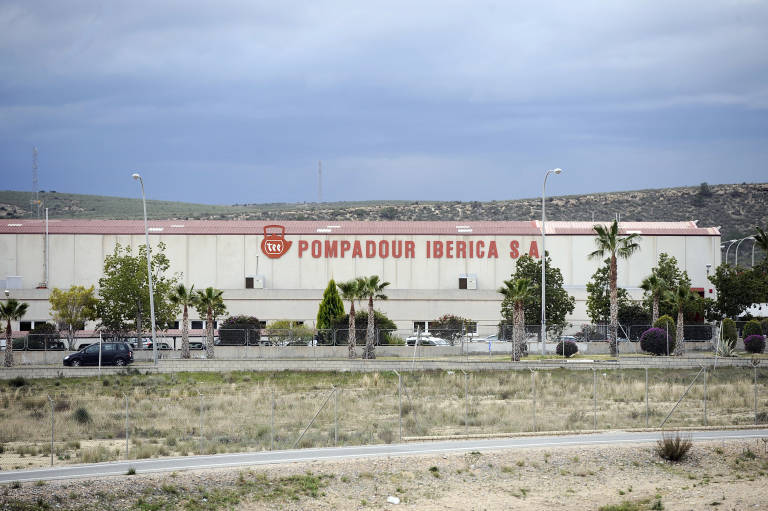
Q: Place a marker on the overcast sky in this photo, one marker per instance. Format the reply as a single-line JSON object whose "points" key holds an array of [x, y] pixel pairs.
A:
{"points": [[236, 101]]}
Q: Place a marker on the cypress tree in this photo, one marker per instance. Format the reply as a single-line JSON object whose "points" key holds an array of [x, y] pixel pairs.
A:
{"points": [[330, 308]]}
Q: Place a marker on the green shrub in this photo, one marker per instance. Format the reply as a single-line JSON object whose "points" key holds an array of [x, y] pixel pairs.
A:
{"points": [[81, 415], [730, 333], [380, 322], [657, 341], [673, 448], [570, 349], [233, 330], [665, 323], [764, 325], [18, 381], [752, 327], [754, 343]]}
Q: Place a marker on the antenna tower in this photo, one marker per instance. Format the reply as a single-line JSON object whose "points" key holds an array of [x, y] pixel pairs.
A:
{"points": [[35, 197], [319, 181]]}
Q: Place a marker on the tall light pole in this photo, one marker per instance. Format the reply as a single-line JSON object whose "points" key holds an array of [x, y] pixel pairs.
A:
{"points": [[137, 177], [736, 263], [544, 264], [730, 244]]}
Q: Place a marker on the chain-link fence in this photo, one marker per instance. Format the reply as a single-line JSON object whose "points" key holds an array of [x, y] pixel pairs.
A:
{"points": [[135, 417]]}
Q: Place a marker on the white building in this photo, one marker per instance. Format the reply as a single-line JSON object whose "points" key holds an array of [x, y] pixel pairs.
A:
{"points": [[280, 272]]}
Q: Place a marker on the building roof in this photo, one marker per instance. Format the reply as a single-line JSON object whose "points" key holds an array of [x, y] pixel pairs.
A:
{"points": [[462, 228]]}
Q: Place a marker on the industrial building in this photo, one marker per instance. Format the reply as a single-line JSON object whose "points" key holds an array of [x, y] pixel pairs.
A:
{"points": [[280, 271]]}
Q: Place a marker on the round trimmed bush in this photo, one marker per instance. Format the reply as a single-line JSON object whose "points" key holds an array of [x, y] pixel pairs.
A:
{"points": [[764, 324], [570, 349], [754, 343], [655, 340], [666, 323], [729, 332], [752, 327]]}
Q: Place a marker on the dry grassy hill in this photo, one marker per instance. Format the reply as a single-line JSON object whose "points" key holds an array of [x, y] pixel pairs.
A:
{"points": [[737, 208]]}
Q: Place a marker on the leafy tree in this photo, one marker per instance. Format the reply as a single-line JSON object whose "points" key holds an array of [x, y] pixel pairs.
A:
{"points": [[609, 241], [351, 290], [633, 313], [209, 304], [761, 240], [517, 293], [11, 310], [330, 308], [752, 327], [240, 328], [559, 303], [449, 326], [599, 296], [737, 289], [284, 330], [665, 277], [371, 288], [124, 290], [184, 298], [70, 309]]}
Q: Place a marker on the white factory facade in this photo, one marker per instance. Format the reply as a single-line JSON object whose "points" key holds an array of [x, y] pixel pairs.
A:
{"points": [[280, 271]]}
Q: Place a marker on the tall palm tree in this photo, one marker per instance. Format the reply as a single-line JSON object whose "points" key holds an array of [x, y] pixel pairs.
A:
{"points": [[608, 240], [184, 297], [209, 300], [681, 297], [761, 239], [350, 290], [371, 288], [11, 310], [519, 292], [656, 286]]}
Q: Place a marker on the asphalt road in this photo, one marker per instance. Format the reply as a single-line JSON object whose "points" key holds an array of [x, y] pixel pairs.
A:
{"points": [[335, 453]]}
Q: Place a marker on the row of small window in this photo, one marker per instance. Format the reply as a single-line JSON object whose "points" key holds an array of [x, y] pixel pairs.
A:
{"points": [[466, 281]]}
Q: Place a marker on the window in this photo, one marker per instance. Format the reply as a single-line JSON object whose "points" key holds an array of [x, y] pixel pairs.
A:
{"points": [[462, 282], [173, 325], [419, 326], [471, 327], [262, 324], [107, 348], [248, 282], [197, 325], [467, 281], [93, 348], [25, 326]]}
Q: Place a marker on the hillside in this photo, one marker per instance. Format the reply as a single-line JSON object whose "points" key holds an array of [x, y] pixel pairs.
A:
{"points": [[737, 208]]}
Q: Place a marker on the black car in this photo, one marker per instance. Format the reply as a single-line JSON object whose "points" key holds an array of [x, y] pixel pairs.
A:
{"points": [[112, 353], [196, 345]]}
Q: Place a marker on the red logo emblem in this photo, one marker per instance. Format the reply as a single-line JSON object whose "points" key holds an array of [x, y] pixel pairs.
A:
{"points": [[274, 243]]}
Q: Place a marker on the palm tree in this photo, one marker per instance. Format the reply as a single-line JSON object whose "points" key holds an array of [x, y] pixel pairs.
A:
{"points": [[519, 292], [11, 310], [681, 297], [184, 297], [209, 300], [350, 290], [761, 240], [371, 288], [656, 286], [608, 240]]}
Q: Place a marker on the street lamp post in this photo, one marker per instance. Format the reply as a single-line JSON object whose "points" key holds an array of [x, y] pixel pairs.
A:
{"points": [[544, 264], [137, 177], [730, 244], [736, 263]]}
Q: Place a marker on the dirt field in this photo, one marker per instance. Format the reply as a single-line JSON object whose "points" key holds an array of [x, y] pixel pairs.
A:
{"points": [[727, 476]]}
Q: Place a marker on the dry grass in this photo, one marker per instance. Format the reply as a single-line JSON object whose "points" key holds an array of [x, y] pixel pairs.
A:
{"points": [[237, 409]]}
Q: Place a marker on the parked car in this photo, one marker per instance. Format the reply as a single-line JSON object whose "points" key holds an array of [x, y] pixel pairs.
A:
{"points": [[112, 353], [427, 340], [196, 345], [160, 346], [568, 338]]}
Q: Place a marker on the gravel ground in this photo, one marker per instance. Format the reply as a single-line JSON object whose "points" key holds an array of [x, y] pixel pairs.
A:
{"points": [[729, 475]]}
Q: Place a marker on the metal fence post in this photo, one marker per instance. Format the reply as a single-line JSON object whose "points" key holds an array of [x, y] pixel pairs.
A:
{"points": [[755, 385], [533, 393], [400, 403], [50, 400], [201, 421], [466, 403], [272, 424], [336, 418], [126, 427], [594, 398], [646, 397], [705, 396]]}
